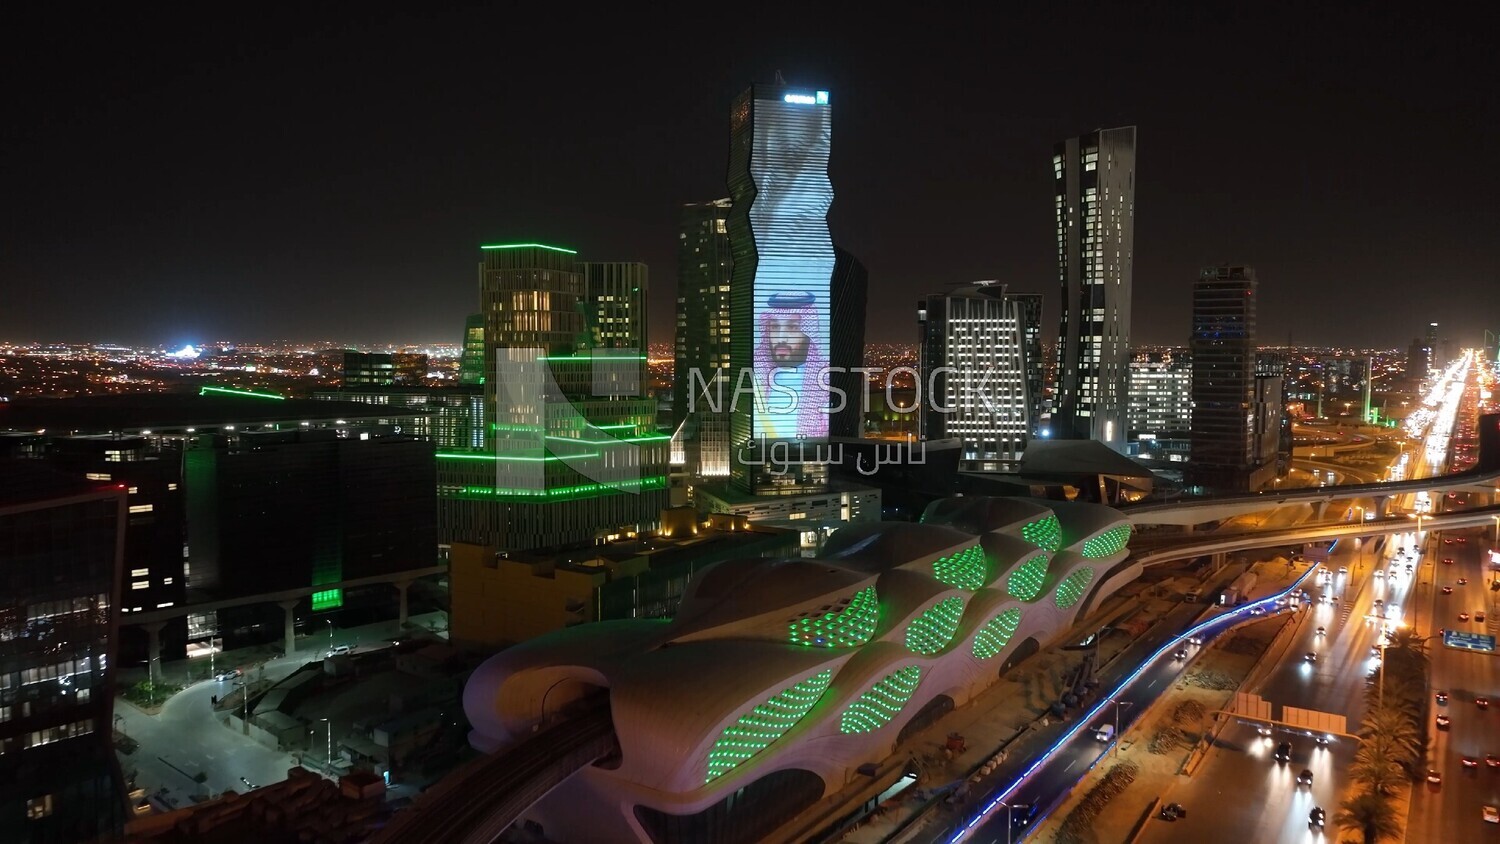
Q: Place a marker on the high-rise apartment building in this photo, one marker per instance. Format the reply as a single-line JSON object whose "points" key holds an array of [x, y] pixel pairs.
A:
{"points": [[1226, 454], [973, 351], [1434, 350], [1029, 312], [1273, 391], [700, 422], [781, 281], [571, 449], [61, 544], [1161, 396], [1094, 211]]}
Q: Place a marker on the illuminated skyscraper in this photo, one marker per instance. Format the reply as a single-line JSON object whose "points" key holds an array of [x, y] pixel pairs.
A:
{"points": [[781, 283], [1094, 209], [1434, 353], [700, 439], [571, 452], [974, 362], [471, 364]]}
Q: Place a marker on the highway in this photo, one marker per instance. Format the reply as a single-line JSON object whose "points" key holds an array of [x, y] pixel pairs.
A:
{"points": [[1057, 770], [1452, 812]]}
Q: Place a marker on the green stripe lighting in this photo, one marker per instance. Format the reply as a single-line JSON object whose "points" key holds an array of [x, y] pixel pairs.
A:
{"points": [[1071, 589], [931, 631], [767, 722], [227, 391], [1109, 542], [995, 634], [529, 246], [966, 569], [559, 493], [849, 627], [883, 702], [1025, 580], [327, 599], [1043, 533]]}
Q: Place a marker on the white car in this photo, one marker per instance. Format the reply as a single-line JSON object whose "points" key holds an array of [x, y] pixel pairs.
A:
{"points": [[338, 650], [1491, 814]]}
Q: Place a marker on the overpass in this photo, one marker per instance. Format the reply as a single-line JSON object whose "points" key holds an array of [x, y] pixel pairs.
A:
{"points": [[154, 620], [1477, 517], [474, 804], [1484, 477]]}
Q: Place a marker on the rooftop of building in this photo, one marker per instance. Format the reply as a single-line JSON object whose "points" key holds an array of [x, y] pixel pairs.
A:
{"points": [[732, 495], [25, 481], [658, 548], [1059, 458], [305, 808], [139, 412]]}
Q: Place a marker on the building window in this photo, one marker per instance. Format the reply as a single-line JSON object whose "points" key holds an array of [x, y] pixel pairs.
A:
{"points": [[140, 584], [142, 508], [39, 807], [140, 572]]}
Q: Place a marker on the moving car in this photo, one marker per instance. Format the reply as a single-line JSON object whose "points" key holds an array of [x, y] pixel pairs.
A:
{"points": [[1442, 698], [1482, 702], [1447, 561], [1305, 778], [1491, 814], [1443, 722], [1479, 616], [1310, 657], [1470, 762], [226, 676], [1447, 590], [1172, 811], [1322, 631], [1317, 817], [1182, 654], [1463, 616], [1433, 777], [1021, 815], [338, 650], [1283, 751], [1463, 581], [1491, 760], [1104, 732]]}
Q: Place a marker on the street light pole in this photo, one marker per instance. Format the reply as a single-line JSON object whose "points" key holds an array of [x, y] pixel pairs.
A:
{"points": [[1009, 821], [1119, 704], [328, 752]]}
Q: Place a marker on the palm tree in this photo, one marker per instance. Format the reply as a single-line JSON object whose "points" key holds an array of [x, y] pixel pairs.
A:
{"points": [[1376, 766], [1372, 815], [1395, 728]]}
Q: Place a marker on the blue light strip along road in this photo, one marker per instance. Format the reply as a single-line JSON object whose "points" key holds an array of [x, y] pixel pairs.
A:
{"points": [[1088, 719]]}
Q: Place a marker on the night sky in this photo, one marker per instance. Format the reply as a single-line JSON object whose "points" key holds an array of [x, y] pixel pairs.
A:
{"points": [[330, 175]]}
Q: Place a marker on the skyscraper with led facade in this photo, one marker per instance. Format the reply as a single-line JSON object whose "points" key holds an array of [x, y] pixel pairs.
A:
{"points": [[1094, 211], [571, 452], [781, 283]]}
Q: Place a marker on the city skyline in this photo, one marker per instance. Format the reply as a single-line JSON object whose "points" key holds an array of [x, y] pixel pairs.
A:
{"points": [[263, 175]]}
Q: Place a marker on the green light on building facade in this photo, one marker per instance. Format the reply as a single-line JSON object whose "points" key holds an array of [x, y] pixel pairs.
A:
{"points": [[494, 458], [1025, 581], [846, 628], [228, 391], [560, 493], [966, 569], [883, 702], [529, 246], [1071, 589], [1109, 542], [767, 722], [931, 631], [327, 599], [1043, 533], [995, 634]]}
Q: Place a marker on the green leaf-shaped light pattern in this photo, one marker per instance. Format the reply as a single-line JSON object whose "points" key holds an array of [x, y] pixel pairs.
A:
{"points": [[846, 628], [1025, 581], [882, 702], [931, 631], [965, 569], [1106, 543], [756, 729], [1043, 533], [1071, 589], [995, 634]]}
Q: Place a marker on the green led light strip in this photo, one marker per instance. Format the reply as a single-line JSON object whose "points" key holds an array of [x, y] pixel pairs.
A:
{"points": [[529, 246], [1043, 533], [591, 358], [1025, 580], [995, 634], [1109, 542], [931, 631], [846, 628], [965, 569], [227, 391], [758, 728], [327, 599], [884, 701], [493, 458], [561, 493], [1071, 589]]}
